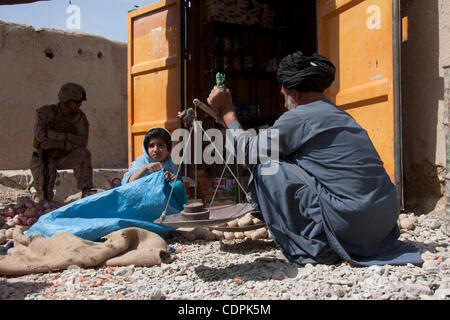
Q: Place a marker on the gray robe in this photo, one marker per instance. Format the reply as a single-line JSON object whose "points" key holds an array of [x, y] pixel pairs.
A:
{"points": [[330, 197]]}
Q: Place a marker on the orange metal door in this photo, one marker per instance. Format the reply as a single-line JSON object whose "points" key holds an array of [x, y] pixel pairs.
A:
{"points": [[154, 70], [360, 38]]}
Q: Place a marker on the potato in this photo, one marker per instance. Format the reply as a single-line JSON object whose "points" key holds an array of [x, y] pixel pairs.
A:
{"points": [[260, 233], [219, 234], [245, 221], [232, 223], [256, 221], [239, 235], [248, 233], [228, 235]]}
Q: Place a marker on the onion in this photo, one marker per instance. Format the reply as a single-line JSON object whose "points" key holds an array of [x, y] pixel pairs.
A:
{"points": [[45, 204], [31, 221], [9, 212], [24, 220], [30, 212], [29, 204], [53, 205], [46, 211], [11, 222], [17, 219]]}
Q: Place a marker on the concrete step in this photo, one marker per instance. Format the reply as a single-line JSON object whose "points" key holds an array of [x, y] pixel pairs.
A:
{"points": [[18, 181]]}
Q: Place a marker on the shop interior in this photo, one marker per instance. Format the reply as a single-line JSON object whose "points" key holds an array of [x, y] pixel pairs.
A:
{"points": [[245, 40]]}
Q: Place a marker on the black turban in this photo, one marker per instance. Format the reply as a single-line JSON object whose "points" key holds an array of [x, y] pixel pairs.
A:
{"points": [[306, 73]]}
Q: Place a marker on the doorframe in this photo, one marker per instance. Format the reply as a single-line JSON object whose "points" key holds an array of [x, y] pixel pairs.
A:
{"points": [[397, 42]]}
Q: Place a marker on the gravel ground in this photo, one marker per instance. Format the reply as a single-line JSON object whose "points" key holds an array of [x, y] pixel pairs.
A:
{"points": [[248, 269]]}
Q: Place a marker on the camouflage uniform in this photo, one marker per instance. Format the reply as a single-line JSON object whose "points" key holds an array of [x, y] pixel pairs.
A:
{"points": [[67, 137]]}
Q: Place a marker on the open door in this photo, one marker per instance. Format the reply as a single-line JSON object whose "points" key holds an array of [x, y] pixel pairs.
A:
{"points": [[155, 70], [361, 37]]}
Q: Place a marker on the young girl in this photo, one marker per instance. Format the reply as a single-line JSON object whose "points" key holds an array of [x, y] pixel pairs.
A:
{"points": [[139, 200], [156, 149], [156, 156]]}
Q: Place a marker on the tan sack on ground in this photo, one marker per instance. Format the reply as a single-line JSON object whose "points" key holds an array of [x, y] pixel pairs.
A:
{"points": [[37, 254]]}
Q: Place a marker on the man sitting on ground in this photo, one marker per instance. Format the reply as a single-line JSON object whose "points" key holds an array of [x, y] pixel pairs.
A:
{"points": [[330, 197]]}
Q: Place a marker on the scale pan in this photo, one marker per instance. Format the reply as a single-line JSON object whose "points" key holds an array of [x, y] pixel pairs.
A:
{"points": [[217, 215]]}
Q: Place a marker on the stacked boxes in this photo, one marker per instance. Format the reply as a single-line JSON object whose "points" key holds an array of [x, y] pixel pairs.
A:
{"points": [[230, 11], [240, 12], [241, 8], [267, 18], [253, 16], [215, 10]]}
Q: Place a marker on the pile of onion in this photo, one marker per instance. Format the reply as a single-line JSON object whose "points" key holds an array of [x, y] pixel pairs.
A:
{"points": [[26, 213]]}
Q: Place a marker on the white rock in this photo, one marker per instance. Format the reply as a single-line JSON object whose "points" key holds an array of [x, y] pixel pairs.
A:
{"points": [[435, 225], [418, 289], [430, 265], [442, 293], [407, 224], [156, 294], [122, 271]]}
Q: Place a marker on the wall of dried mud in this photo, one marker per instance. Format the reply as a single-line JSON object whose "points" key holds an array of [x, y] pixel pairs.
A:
{"points": [[34, 63], [424, 54]]}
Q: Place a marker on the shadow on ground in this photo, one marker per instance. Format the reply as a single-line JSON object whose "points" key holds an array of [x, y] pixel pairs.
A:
{"points": [[19, 290], [261, 269], [248, 246]]}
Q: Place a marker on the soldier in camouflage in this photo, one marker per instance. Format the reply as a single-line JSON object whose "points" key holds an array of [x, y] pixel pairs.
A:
{"points": [[60, 142]]}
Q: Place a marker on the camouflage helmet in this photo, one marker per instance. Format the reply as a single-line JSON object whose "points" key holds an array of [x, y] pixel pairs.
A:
{"points": [[71, 91]]}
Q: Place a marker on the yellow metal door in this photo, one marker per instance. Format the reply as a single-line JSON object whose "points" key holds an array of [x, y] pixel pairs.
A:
{"points": [[361, 38], [154, 70]]}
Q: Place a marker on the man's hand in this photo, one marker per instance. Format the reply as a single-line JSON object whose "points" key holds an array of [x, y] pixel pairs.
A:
{"points": [[169, 176], [223, 103], [52, 144], [221, 100], [154, 166]]}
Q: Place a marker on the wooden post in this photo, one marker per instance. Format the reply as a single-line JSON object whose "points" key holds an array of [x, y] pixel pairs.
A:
{"points": [[447, 143]]}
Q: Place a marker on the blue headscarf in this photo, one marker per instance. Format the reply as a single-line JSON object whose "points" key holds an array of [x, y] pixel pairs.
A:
{"points": [[145, 159]]}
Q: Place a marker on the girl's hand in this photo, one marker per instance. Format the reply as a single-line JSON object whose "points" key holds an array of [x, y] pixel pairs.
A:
{"points": [[169, 176], [154, 166]]}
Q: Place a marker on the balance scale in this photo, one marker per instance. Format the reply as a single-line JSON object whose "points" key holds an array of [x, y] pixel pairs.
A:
{"points": [[195, 214]]}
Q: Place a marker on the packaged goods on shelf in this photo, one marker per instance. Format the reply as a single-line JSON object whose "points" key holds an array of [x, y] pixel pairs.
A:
{"points": [[253, 17], [267, 18], [224, 183], [230, 11], [215, 10], [241, 8]]}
